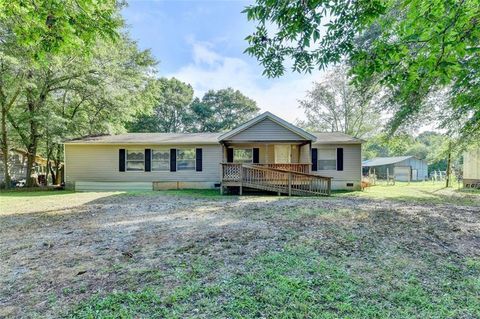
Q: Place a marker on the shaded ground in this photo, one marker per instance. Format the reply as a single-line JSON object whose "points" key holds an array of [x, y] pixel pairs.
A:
{"points": [[188, 254]]}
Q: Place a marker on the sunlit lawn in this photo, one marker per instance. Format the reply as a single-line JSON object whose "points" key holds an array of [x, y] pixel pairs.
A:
{"points": [[340, 257]]}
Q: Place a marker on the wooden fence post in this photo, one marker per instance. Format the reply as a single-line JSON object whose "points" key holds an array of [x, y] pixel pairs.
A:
{"points": [[289, 184]]}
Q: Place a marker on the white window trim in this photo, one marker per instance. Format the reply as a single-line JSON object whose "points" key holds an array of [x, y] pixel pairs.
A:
{"points": [[242, 148], [151, 160], [126, 160], [195, 160], [336, 160]]}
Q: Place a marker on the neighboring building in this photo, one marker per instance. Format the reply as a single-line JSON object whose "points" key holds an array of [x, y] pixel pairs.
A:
{"points": [[471, 168], [18, 165], [264, 150], [404, 168]]}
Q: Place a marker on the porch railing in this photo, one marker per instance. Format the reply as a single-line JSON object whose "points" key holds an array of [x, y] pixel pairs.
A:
{"points": [[296, 167], [276, 180]]}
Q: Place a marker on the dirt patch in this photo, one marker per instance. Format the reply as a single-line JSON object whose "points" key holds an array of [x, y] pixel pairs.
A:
{"points": [[52, 258]]}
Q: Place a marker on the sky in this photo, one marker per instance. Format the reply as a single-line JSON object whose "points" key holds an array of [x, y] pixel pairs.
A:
{"points": [[202, 42]]}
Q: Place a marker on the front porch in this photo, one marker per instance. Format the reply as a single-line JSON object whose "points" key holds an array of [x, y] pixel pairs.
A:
{"points": [[289, 179], [270, 154]]}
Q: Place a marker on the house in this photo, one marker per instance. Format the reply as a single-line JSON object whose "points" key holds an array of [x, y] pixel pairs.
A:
{"points": [[404, 168], [18, 166], [265, 153], [471, 168]]}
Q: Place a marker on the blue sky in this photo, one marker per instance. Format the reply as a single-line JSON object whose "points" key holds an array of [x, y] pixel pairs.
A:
{"points": [[202, 43]]}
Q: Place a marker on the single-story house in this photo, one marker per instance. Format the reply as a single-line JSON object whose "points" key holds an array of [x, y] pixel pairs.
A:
{"points": [[471, 168], [404, 168], [265, 153]]}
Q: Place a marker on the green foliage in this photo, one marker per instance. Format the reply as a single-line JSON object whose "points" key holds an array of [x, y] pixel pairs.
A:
{"points": [[412, 48], [430, 146], [63, 77], [172, 99], [337, 106], [221, 110], [177, 111], [58, 26]]}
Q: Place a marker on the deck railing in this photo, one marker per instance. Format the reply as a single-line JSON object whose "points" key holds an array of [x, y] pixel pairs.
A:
{"points": [[275, 179], [296, 167]]}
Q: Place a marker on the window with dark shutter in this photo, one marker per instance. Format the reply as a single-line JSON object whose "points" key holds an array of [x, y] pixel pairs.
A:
{"points": [[256, 155], [148, 160], [229, 155], [121, 160], [339, 159], [173, 160], [199, 160], [314, 159]]}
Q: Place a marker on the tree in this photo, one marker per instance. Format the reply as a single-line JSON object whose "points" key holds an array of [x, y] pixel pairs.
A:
{"points": [[220, 111], [76, 96], [172, 100], [336, 105], [418, 46], [55, 27], [33, 34]]}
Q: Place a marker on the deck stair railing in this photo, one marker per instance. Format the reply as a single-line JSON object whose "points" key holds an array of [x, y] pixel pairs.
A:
{"points": [[283, 181]]}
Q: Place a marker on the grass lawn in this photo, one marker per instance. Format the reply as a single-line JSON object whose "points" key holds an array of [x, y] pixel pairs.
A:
{"points": [[403, 251], [428, 192]]}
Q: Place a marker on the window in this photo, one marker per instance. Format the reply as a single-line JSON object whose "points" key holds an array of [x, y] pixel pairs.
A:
{"points": [[327, 159], [160, 160], [185, 159], [135, 160], [243, 155]]}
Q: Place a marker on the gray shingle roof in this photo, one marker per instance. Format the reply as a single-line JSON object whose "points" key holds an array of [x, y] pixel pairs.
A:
{"points": [[151, 138], [194, 138], [379, 161], [336, 137]]}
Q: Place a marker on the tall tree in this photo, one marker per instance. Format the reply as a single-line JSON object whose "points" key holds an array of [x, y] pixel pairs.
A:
{"points": [[335, 105], [220, 111], [172, 100], [36, 33], [88, 95], [418, 46]]}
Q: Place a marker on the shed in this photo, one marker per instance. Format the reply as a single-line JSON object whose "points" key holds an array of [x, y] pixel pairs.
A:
{"points": [[471, 168], [404, 168]]}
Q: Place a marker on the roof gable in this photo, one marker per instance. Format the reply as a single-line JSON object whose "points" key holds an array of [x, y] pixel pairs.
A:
{"points": [[267, 127]]}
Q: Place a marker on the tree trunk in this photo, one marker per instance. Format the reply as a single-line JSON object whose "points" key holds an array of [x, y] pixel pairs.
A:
{"points": [[58, 173], [449, 165], [4, 147], [54, 175]]}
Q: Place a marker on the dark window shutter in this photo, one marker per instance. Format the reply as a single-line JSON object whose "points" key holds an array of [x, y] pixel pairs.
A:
{"points": [[314, 159], [339, 159], [198, 159], [229, 155], [256, 155], [121, 160], [148, 160], [173, 160]]}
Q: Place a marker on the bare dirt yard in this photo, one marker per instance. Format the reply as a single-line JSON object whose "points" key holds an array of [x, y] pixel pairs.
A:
{"points": [[196, 254]]}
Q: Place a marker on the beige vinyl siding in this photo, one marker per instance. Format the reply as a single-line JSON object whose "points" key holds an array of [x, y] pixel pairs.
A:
{"points": [[304, 156], [352, 163], [471, 164], [266, 130], [100, 163], [267, 152]]}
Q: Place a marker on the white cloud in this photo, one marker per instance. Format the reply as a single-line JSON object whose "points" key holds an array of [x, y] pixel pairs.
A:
{"points": [[211, 70]]}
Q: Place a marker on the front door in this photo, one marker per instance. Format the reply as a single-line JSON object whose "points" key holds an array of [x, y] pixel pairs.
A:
{"points": [[282, 153]]}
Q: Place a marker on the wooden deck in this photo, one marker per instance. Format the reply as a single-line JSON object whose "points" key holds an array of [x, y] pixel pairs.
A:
{"points": [[289, 179]]}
